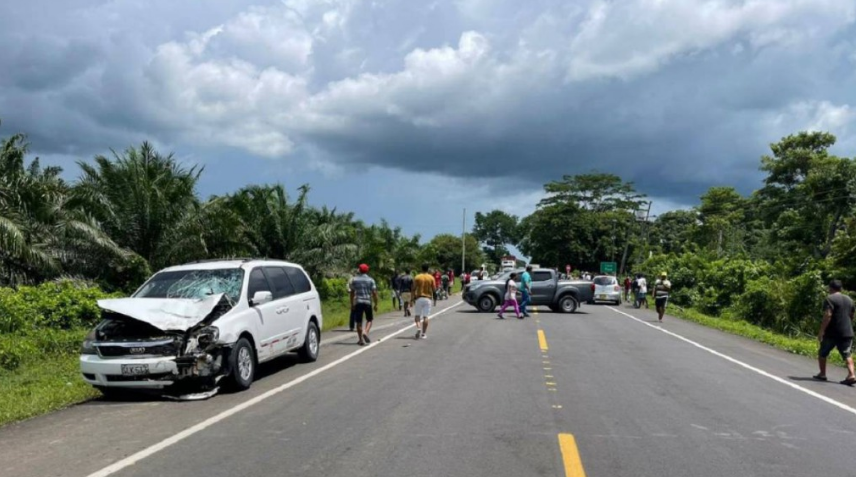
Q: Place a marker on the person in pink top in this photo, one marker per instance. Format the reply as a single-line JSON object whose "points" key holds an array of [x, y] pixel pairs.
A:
{"points": [[510, 297]]}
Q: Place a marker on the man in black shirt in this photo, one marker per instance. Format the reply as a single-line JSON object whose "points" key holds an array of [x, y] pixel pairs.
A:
{"points": [[405, 286], [836, 331]]}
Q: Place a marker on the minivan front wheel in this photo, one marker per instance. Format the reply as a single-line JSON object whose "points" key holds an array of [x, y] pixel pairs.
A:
{"points": [[242, 362]]}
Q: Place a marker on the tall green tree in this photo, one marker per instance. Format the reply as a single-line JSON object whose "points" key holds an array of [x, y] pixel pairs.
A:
{"points": [[808, 193], [721, 214], [444, 251], [496, 230]]}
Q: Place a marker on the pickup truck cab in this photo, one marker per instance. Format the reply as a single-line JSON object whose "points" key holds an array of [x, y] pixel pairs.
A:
{"points": [[547, 290]]}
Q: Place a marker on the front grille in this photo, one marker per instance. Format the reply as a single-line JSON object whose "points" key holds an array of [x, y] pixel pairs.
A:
{"points": [[116, 378], [107, 350]]}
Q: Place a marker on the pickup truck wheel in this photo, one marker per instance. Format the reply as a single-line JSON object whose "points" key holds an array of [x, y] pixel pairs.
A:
{"points": [[568, 304], [242, 362], [486, 304], [309, 352]]}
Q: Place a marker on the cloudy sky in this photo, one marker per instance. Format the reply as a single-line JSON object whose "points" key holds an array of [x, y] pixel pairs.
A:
{"points": [[412, 110]]}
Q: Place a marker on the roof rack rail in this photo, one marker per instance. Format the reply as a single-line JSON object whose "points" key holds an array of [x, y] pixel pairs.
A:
{"points": [[230, 259]]}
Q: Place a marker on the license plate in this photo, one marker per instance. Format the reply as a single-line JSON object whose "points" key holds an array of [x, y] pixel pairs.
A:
{"points": [[135, 369], [601, 297]]}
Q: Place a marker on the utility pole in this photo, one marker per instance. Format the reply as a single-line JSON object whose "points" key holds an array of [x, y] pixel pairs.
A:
{"points": [[464, 243]]}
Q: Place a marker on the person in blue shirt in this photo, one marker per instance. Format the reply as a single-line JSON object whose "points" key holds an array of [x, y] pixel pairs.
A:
{"points": [[525, 290]]}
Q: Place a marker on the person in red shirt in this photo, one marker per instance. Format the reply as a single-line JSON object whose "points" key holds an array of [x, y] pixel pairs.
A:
{"points": [[451, 280], [438, 282], [627, 285]]}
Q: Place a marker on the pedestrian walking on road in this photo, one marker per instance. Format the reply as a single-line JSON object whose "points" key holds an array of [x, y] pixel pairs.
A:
{"points": [[641, 291], [424, 291], [662, 287], [444, 280], [451, 280], [628, 283], [526, 290], [396, 293], [353, 319], [481, 274], [438, 283], [405, 285], [836, 331], [510, 297], [363, 296]]}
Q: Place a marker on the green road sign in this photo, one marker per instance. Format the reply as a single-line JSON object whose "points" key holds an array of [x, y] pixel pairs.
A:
{"points": [[608, 267]]}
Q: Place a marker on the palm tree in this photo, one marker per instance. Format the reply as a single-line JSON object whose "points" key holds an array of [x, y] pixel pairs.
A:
{"points": [[147, 202], [41, 234]]}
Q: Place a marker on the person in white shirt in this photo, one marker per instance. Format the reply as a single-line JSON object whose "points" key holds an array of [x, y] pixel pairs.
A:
{"points": [[662, 287], [642, 294]]}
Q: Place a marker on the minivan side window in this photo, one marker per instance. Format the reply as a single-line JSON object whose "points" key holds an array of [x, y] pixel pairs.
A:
{"points": [[282, 286], [541, 276], [257, 283], [298, 279]]}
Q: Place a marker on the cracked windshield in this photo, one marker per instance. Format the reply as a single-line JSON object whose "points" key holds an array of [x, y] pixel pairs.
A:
{"points": [[194, 284], [445, 238]]}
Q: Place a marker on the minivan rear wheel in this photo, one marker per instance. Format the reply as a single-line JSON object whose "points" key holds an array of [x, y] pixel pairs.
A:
{"points": [[309, 352]]}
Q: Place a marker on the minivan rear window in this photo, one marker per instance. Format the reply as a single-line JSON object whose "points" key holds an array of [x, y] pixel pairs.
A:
{"points": [[298, 279]]}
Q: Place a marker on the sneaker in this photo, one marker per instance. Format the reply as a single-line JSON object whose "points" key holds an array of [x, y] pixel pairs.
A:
{"points": [[500, 316], [366, 337], [526, 315], [361, 343], [424, 336], [418, 334]]}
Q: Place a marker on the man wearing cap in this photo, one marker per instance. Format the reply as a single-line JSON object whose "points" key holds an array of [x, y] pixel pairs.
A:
{"points": [[662, 287], [363, 296]]}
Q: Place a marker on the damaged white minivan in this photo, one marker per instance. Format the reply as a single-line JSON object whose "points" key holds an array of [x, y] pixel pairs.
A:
{"points": [[192, 328]]}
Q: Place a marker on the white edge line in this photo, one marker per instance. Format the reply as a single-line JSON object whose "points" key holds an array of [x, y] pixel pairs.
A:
{"points": [[148, 451], [799, 388]]}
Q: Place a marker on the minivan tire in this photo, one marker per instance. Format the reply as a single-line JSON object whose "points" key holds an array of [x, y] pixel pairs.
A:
{"points": [[311, 345], [486, 304], [568, 304], [242, 363]]}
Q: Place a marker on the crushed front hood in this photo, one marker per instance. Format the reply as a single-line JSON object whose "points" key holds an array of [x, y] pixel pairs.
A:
{"points": [[167, 314]]}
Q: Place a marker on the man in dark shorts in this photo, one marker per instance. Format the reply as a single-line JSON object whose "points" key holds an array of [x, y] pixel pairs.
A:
{"points": [[836, 331], [363, 296], [662, 287]]}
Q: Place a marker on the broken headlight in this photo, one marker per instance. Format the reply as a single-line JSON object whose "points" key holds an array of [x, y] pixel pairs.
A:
{"points": [[207, 336], [88, 346]]}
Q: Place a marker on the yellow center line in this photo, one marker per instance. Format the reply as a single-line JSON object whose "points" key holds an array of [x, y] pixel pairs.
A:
{"points": [[542, 340], [571, 456]]}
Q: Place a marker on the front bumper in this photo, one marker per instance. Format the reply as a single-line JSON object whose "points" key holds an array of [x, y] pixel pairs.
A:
{"points": [[470, 298], [98, 371]]}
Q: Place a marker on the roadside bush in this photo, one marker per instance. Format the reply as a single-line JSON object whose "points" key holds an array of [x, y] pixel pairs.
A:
{"points": [[805, 297], [333, 288], [14, 350], [763, 303], [64, 305]]}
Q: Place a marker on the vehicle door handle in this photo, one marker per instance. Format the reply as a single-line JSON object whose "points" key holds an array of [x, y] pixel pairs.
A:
{"points": [[280, 311]]}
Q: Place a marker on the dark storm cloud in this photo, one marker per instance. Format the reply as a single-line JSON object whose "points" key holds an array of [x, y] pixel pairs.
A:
{"points": [[675, 96]]}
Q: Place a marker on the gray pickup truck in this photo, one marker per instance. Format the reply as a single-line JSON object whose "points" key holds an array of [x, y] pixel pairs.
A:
{"points": [[547, 290]]}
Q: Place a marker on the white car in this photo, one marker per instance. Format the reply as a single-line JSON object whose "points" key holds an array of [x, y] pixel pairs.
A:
{"points": [[191, 326], [606, 289]]}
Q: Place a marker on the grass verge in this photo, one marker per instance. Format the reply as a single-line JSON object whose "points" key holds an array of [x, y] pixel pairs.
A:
{"points": [[794, 344], [42, 386]]}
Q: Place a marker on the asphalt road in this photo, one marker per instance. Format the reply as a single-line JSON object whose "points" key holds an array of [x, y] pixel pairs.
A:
{"points": [[611, 394]]}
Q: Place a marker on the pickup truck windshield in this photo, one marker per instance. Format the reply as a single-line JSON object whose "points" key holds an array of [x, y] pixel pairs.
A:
{"points": [[195, 284]]}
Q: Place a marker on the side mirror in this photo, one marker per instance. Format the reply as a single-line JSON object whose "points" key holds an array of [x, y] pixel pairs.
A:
{"points": [[261, 297]]}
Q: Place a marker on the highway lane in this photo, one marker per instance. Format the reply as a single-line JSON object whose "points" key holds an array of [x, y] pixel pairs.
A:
{"points": [[480, 397]]}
